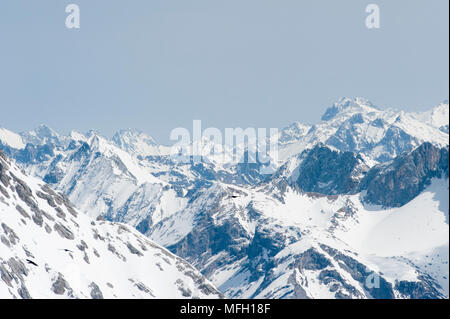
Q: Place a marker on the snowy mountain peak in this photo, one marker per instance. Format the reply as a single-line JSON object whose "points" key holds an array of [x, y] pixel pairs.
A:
{"points": [[135, 142], [436, 117], [11, 139], [77, 136], [293, 132], [89, 134], [40, 135], [44, 131], [347, 104], [129, 137]]}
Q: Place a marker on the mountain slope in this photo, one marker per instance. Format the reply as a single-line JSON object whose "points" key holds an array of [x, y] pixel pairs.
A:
{"points": [[276, 242], [49, 250]]}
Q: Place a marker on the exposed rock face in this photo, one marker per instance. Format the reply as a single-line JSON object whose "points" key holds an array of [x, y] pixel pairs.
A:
{"points": [[423, 289], [330, 172], [396, 183], [360, 273], [60, 286], [209, 239], [391, 184], [312, 260]]}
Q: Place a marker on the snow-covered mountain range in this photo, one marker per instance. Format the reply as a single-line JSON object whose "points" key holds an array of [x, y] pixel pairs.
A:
{"points": [[276, 241], [49, 250], [357, 206], [357, 125]]}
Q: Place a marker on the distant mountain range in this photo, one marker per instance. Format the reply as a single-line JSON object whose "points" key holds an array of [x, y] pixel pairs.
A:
{"points": [[357, 207]]}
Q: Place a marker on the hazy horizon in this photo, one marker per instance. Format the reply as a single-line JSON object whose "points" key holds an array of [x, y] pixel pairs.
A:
{"points": [[154, 66], [67, 131]]}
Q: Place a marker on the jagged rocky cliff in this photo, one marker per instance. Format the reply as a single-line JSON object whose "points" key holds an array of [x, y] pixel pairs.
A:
{"points": [[399, 181]]}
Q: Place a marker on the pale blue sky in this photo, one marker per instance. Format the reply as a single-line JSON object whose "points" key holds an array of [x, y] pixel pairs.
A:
{"points": [[158, 64]]}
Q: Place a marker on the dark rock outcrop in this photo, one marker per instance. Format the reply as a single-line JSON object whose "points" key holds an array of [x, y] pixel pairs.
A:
{"points": [[396, 183], [312, 260], [423, 289], [60, 286], [330, 172]]}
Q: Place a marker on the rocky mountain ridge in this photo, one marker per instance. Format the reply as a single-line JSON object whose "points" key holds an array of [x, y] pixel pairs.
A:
{"points": [[50, 250]]}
